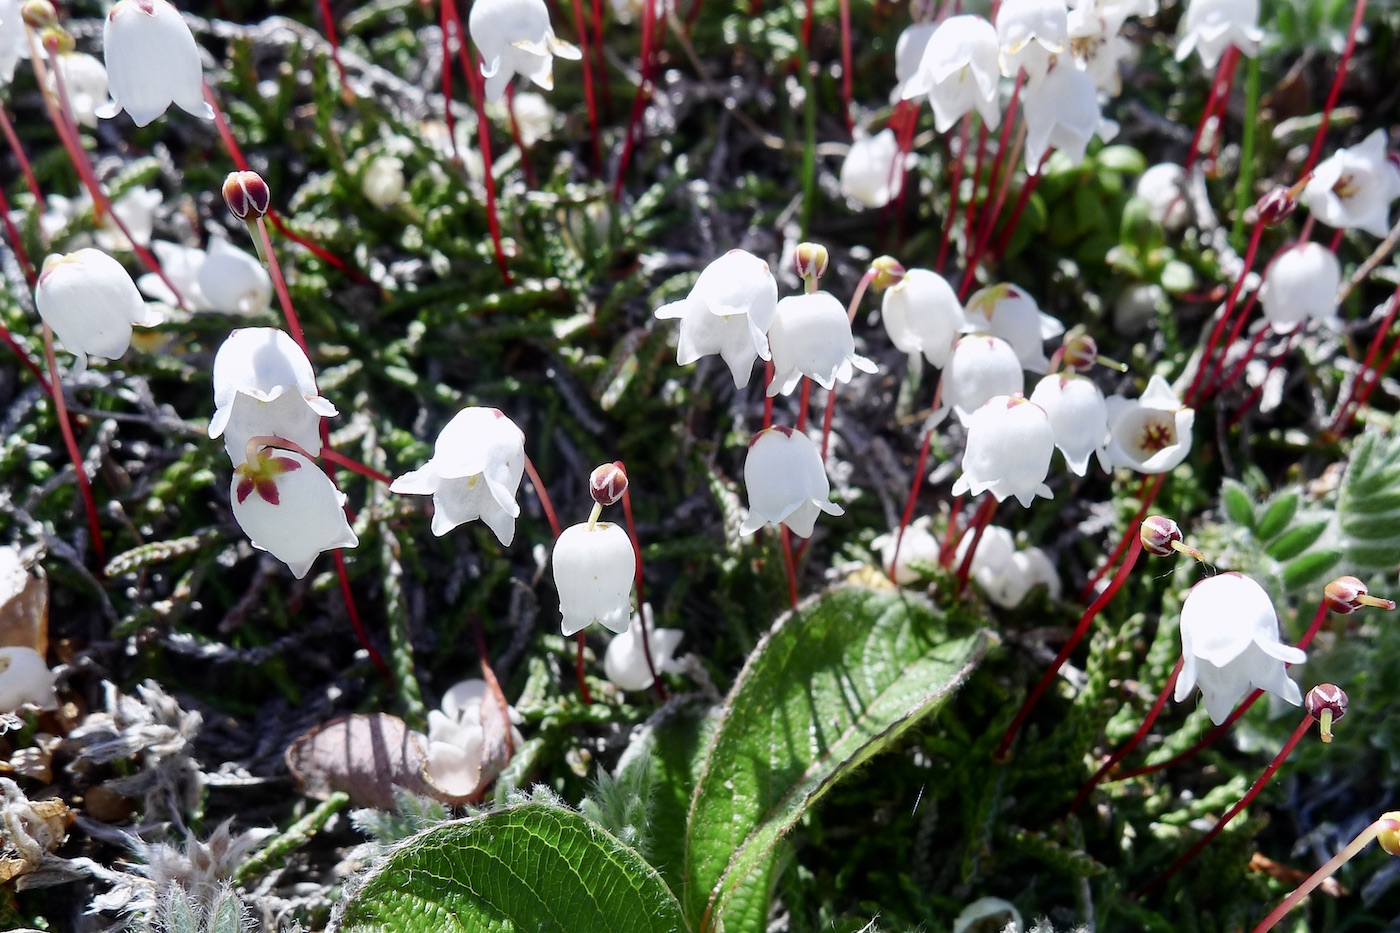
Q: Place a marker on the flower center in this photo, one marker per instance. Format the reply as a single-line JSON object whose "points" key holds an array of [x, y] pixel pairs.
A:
{"points": [[1156, 434], [1346, 187]]}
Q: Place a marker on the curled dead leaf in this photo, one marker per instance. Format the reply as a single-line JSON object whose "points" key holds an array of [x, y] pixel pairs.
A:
{"points": [[365, 755], [24, 603]]}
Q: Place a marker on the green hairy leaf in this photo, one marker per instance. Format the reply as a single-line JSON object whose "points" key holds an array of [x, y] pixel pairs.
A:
{"points": [[1368, 505], [1238, 503], [833, 683]]}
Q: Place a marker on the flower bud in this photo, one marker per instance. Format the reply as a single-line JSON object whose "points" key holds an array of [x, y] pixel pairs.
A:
{"points": [[1326, 703], [608, 482], [888, 271], [1162, 536], [1345, 595], [1390, 838], [56, 40], [1081, 351], [246, 195], [810, 260], [1275, 207], [38, 14]]}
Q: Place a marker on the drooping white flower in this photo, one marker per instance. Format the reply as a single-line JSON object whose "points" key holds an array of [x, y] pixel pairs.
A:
{"points": [[91, 303], [1212, 26], [14, 42], [1062, 110], [1029, 32], [383, 183], [181, 265], [264, 385], [474, 472], [918, 551], [728, 311], [1078, 416], [959, 72], [908, 53], [625, 663], [1354, 187], [872, 175], [1230, 645], [1163, 187], [593, 570], [288, 507], [1301, 284], [152, 62], [233, 281], [469, 739], [85, 80], [25, 678], [786, 481], [1009, 446], [1009, 312], [534, 117], [515, 38], [922, 314], [811, 336], [1151, 434], [137, 210], [1005, 574], [981, 367]]}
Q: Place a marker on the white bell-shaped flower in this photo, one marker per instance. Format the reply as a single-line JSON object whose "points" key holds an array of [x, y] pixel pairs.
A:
{"points": [[959, 73], [593, 570], [1009, 446], [1099, 48], [25, 679], [14, 40], [786, 481], [515, 38], [872, 174], [1005, 574], [233, 281], [918, 551], [980, 368], [152, 62], [1078, 416], [1301, 284], [85, 80], [1009, 312], [1212, 26], [728, 311], [908, 53], [469, 739], [288, 507], [181, 265], [264, 385], [922, 314], [137, 210], [383, 182], [91, 303], [475, 472], [1163, 187], [1230, 645], [1029, 32], [625, 663], [811, 336], [1062, 111], [1354, 187], [1151, 434]]}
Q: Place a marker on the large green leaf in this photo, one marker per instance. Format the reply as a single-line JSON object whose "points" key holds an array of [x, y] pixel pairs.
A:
{"points": [[530, 868], [834, 682]]}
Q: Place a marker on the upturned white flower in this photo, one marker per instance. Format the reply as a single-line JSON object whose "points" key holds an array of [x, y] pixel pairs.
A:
{"points": [[288, 507], [908, 53], [1163, 187], [1354, 187], [728, 311], [1096, 41], [786, 481], [25, 678], [1212, 26], [1029, 32], [1005, 574], [1078, 416], [264, 385], [1062, 110], [922, 314], [918, 551], [233, 281], [469, 739], [1230, 645], [515, 38], [872, 174], [625, 663], [981, 367], [959, 73], [91, 303], [1151, 434], [593, 570], [1301, 284], [1009, 312], [1009, 446], [85, 80], [474, 472], [383, 183], [152, 62], [811, 336]]}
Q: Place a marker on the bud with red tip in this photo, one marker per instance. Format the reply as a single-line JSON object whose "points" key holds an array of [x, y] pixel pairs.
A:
{"points": [[1080, 351], [247, 195], [1345, 595], [1327, 703], [810, 260], [608, 483], [1275, 207], [1162, 536]]}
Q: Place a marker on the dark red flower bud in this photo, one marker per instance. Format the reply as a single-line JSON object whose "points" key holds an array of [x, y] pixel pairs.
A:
{"points": [[608, 482], [247, 195], [1345, 595], [1326, 703]]}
